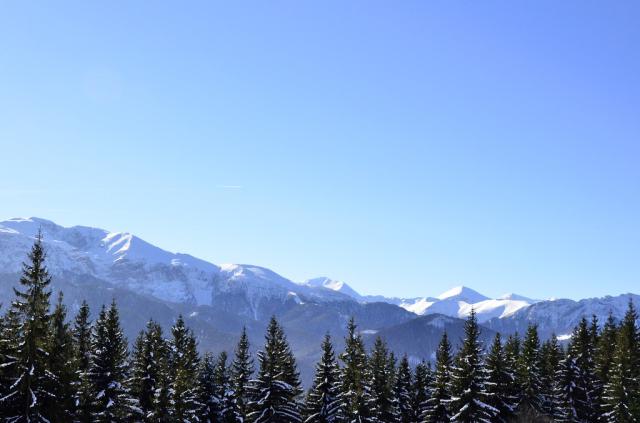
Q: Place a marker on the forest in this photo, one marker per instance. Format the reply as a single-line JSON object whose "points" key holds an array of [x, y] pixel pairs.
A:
{"points": [[60, 368]]}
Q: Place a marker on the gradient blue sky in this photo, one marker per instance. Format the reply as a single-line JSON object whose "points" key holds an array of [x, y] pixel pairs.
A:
{"points": [[403, 147]]}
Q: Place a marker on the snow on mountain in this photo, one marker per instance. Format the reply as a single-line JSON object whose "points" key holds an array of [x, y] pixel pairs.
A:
{"points": [[333, 285]]}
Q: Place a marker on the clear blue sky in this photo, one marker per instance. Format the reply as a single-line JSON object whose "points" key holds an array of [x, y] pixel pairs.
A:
{"points": [[403, 147]]}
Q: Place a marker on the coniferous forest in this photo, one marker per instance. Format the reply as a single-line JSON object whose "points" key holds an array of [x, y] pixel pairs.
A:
{"points": [[60, 368]]}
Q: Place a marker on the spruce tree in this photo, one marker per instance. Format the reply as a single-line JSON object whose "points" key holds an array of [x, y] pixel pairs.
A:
{"points": [[30, 379], [469, 399], [621, 399], [551, 356], [605, 350], [421, 390], [381, 383], [241, 372], [184, 363], [9, 329], [435, 410], [207, 389], [355, 377], [569, 396], [581, 349], [512, 351], [227, 410], [273, 395], [403, 392], [528, 372], [60, 406], [324, 401], [108, 371], [150, 374], [499, 380], [82, 341]]}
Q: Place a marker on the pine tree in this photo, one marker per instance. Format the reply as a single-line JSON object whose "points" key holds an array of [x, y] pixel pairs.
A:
{"points": [[207, 389], [150, 374], [9, 329], [108, 371], [512, 351], [28, 391], [581, 349], [60, 406], [227, 410], [382, 383], [436, 407], [241, 372], [569, 396], [184, 363], [621, 402], [605, 350], [274, 391], [528, 373], [499, 379], [355, 378], [324, 401], [82, 341], [421, 390], [469, 399], [403, 392], [551, 356]]}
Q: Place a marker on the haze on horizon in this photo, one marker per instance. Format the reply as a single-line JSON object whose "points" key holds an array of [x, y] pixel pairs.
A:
{"points": [[403, 149]]}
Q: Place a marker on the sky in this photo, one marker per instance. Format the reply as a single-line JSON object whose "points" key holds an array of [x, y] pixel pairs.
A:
{"points": [[402, 147]]}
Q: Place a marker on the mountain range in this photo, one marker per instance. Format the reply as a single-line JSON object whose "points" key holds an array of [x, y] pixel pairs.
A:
{"points": [[218, 300]]}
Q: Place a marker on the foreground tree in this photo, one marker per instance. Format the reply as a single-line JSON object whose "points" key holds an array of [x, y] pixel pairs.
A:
{"points": [[499, 379], [184, 363], [529, 372], [435, 409], [30, 380], [469, 397], [241, 372], [108, 372], [324, 401], [275, 390], [355, 377]]}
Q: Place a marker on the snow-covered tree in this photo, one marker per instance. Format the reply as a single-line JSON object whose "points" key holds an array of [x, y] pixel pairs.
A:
{"points": [[30, 377], [184, 363], [551, 356], [274, 392], [355, 381], [469, 396], [421, 390], [435, 409], [382, 383], [402, 392], [82, 342], [324, 402], [241, 372], [528, 373], [150, 374], [108, 371], [499, 379]]}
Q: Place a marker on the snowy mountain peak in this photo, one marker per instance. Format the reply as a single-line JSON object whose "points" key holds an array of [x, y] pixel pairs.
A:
{"points": [[328, 283], [516, 297], [462, 293]]}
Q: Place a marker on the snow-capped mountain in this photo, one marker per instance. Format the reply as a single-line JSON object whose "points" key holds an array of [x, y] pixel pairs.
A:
{"points": [[456, 302]]}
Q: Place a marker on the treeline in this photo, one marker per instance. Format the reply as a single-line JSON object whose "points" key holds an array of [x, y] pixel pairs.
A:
{"points": [[55, 371]]}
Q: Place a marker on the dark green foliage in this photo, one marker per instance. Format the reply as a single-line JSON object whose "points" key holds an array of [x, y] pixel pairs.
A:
{"points": [[551, 356], [499, 379], [469, 397], [355, 377], [436, 410], [324, 400], [274, 392], [421, 390], [241, 372], [184, 363], [82, 343], [382, 382], [402, 392], [529, 372]]}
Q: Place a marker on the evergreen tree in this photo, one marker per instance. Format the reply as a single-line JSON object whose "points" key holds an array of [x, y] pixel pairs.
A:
{"points": [[60, 406], [30, 378], [324, 401], [581, 349], [435, 410], [551, 356], [605, 350], [528, 373], [469, 400], [150, 374], [274, 392], [402, 392], [227, 410], [382, 383], [82, 341], [512, 351], [241, 372], [108, 371], [355, 378], [184, 363], [621, 400], [499, 379], [569, 397], [207, 389], [421, 390]]}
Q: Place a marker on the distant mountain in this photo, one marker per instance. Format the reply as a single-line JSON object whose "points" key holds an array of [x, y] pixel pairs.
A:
{"points": [[218, 300]]}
